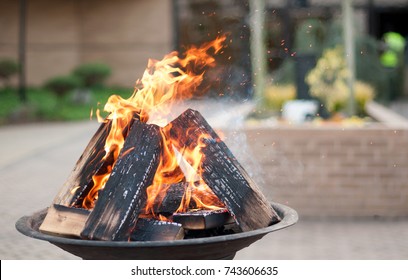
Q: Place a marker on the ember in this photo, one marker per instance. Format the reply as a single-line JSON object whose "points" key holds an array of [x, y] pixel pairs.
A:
{"points": [[144, 177]]}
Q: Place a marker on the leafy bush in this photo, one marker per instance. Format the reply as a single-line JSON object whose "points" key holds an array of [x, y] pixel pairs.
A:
{"points": [[92, 74], [310, 36], [368, 66], [363, 93], [61, 85], [8, 68], [328, 82], [276, 96]]}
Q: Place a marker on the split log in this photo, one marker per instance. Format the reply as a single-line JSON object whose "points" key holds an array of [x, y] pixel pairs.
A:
{"points": [[64, 221], [91, 162], [222, 172], [154, 230], [170, 201], [124, 195], [87, 165], [202, 219]]}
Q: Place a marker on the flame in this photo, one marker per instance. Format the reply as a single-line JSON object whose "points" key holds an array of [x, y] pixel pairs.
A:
{"points": [[197, 190], [163, 84], [181, 166]]}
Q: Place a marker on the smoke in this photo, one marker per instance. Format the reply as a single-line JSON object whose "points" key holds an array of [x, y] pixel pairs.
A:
{"points": [[228, 118]]}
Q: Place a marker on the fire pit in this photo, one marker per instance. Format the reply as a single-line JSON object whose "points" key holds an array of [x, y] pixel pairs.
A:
{"points": [[148, 186], [217, 247]]}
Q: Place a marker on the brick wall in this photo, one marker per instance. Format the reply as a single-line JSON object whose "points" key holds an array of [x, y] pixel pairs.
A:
{"points": [[326, 171], [65, 33]]}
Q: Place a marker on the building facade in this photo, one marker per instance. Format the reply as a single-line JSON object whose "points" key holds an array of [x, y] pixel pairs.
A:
{"points": [[125, 33], [60, 35]]}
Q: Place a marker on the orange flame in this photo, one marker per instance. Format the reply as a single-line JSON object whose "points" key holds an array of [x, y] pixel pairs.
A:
{"points": [[163, 83], [177, 166]]}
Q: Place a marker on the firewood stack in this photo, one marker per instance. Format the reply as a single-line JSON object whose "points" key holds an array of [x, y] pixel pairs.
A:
{"points": [[118, 213]]}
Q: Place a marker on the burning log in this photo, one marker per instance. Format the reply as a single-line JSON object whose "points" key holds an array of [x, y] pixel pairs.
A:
{"points": [[202, 219], [104, 165], [88, 164], [170, 201], [64, 221], [154, 230], [124, 195], [222, 172], [131, 170]]}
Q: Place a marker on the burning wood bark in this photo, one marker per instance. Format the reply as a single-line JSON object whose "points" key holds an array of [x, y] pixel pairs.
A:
{"points": [[87, 165], [120, 202], [169, 202], [222, 172], [133, 174]]}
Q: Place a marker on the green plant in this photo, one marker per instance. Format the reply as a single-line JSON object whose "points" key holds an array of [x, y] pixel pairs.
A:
{"points": [[92, 74], [328, 82], [61, 85], [8, 67], [368, 66], [276, 96], [308, 40], [285, 74], [44, 105], [363, 93], [310, 36]]}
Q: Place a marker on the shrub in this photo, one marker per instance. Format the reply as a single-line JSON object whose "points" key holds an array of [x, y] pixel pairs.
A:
{"points": [[92, 74], [310, 36], [8, 67], [61, 85], [276, 96], [328, 83], [363, 93]]}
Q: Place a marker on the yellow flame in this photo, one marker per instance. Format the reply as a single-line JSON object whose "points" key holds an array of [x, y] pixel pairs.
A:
{"points": [[163, 83]]}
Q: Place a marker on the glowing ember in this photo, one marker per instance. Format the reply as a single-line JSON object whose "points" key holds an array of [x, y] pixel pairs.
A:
{"points": [[163, 84]]}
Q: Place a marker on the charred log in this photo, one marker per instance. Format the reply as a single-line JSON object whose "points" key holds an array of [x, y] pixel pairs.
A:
{"points": [[103, 166], [88, 164], [222, 172], [202, 219], [91, 162], [124, 195], [169, 201], [154, 230]]}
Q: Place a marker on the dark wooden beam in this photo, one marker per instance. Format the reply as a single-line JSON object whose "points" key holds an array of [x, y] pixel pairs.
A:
{"points": [[170, 201], [120, 202], [87, 165], [222, 172]]}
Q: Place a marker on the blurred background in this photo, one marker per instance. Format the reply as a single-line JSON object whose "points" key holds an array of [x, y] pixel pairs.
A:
{"points": [[321, 89]]}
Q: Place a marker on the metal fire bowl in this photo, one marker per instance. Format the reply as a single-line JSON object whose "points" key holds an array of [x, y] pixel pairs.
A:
{"points": [[217, 247]]}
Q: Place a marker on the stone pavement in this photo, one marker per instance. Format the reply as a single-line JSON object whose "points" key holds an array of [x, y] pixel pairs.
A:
{"points": [[37, 158]]}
